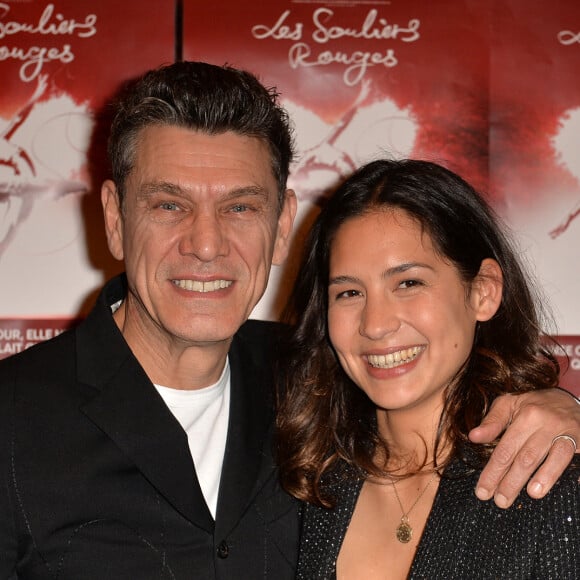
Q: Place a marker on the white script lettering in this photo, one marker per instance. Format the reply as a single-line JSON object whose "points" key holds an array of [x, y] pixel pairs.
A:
{"points": [[567, 37], [357, 62], [44, 26], [371, 29], [280, 31], [35, 57], [49, 24]]}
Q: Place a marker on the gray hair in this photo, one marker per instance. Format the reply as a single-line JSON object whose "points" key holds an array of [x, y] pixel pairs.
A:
{"points": [[202, 97]]}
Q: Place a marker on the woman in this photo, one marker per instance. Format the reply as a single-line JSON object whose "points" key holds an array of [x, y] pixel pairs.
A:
{"points": [[430, 317]]}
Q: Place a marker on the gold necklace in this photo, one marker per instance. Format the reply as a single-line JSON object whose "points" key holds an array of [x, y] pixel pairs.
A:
{"points": [[404, 530]]}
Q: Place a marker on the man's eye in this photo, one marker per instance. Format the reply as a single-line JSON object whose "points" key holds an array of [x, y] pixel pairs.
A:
{"points": [[239, 208], [169, 206]]}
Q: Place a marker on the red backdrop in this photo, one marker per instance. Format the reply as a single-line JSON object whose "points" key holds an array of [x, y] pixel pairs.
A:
{"points": [[490, 89]]}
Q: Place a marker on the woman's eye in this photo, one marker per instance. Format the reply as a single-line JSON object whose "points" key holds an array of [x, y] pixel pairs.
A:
{"points": [[409, 283], [347, 294]]}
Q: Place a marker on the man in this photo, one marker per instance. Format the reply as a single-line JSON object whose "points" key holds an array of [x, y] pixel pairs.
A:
{"points": [[138, 446]]}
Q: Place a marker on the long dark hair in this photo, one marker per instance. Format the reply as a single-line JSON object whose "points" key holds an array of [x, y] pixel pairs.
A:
{"points": [[323, 417]]}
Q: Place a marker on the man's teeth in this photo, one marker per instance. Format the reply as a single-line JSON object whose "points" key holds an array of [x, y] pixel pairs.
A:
{"points": [[394, 359], [197, 286]]}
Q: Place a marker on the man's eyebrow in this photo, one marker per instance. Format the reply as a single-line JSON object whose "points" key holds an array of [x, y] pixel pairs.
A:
{"points": [[249, 190], [152, 187], [148, 189]]}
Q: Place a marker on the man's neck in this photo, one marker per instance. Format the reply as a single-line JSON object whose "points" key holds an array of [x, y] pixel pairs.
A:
{"points": [[170, 362]]}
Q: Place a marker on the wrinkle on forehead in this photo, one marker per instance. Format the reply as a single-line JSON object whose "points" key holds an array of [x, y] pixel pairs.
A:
{"points": [[150, 188]]}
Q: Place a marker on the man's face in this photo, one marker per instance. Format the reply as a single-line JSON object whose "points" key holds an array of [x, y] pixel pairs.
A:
{"points": [[198, 232]]}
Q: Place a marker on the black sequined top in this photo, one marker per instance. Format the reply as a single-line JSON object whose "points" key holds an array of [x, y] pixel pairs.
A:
{"points": [[464, 538]]}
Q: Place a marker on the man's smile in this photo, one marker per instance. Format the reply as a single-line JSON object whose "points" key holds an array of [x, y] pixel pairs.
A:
{"points": [[199, 286]]}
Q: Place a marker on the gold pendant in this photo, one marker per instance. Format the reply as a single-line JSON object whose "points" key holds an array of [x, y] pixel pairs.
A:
{"points": [[404, 531]]}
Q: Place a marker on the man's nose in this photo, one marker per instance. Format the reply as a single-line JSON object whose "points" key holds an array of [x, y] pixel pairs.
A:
{"points": [[203, 237]]}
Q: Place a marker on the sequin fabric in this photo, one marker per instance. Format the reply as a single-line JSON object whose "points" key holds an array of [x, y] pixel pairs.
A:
{"points": [[464, 538]]}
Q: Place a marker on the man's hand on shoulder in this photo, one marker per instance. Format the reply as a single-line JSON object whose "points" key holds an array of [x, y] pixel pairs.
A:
{"points": [[541, 431]]}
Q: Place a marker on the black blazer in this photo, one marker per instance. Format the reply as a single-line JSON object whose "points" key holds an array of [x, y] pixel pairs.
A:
{"points": [[96, 478], [464, 538]]}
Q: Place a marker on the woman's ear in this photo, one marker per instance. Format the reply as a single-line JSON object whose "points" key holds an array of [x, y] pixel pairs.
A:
{"points": [[487, 290]]}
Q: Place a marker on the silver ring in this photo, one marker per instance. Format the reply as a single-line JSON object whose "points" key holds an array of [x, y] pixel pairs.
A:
{"points": [[567, 438]]}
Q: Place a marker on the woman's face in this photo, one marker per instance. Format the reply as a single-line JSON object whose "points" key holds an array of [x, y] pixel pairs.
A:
{"points": [[400, 317]]}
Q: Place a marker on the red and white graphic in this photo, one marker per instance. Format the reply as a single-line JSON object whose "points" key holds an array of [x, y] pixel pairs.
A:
{"points": [[42, 155], [60, 62], [491, 89]]}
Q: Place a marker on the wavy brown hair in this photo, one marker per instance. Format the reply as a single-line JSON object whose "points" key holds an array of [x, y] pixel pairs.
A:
{"points": [[324, 419]]}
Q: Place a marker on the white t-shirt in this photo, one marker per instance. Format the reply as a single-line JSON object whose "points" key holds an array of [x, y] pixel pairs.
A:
{"points": [[203, 414]]}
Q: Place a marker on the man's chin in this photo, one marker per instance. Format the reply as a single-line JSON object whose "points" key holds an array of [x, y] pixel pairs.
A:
{"points": [[207, 334]]}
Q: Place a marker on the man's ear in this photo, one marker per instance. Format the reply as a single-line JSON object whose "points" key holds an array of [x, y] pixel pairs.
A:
{"points": [[113, 218], [487, 290], [285, 225]]}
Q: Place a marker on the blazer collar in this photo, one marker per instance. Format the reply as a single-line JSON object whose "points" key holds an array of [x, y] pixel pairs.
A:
{"points": [[130, 411], [248, 460]]}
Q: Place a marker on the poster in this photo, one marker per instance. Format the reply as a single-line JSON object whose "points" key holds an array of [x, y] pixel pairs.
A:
{"points": [[535, 153], [460, 82], [360, 80], [489, 89], [60, 63]]}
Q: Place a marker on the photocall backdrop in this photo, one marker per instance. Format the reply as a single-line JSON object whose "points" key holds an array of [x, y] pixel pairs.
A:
{"points": [[488, 88]]}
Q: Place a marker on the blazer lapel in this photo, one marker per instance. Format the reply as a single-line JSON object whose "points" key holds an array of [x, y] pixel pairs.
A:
{"points": [[248, 460], [131, 412]]}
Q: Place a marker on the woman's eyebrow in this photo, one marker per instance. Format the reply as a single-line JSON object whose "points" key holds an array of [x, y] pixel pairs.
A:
{"points": [[343, 280], [404, 267], [388, 273]]}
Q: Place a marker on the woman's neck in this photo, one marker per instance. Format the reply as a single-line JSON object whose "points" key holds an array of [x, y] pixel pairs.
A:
{"points": [[411, 438]]}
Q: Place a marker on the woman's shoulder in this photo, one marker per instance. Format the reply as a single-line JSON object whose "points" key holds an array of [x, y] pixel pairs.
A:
{"points": [[323, 529], [536, 538], [456, 492], [567, 488], [341, 486]]}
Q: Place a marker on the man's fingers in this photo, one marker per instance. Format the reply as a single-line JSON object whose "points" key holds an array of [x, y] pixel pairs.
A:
{"points": [[539, 428], [508, 470], [558, 458], [516, 457], [495, 422]]}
